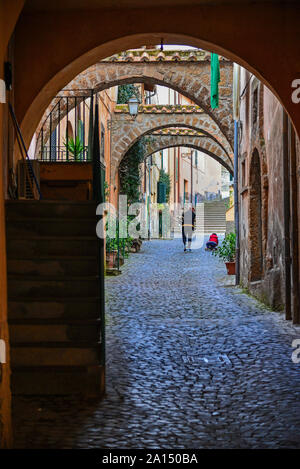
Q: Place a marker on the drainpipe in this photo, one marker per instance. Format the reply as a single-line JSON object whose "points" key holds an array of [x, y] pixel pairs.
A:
{"points": [[236, 202], [286, 215], [192, 178], [178, 174], [149, 198]]}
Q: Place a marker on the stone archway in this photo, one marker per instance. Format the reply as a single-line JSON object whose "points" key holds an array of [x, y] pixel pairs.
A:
{"points": [[126, 131], [255, 220], [187, 72], [201, 143]]}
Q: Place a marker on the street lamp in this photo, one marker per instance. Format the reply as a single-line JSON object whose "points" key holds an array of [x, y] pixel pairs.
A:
{"points": [[133, 105]]}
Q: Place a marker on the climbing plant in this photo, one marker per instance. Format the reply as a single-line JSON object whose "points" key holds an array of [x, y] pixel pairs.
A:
{"points": [[125, 92], [129, 171], [165, 178]]}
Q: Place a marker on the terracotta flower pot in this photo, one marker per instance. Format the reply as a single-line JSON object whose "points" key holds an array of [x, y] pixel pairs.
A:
{"points": [[110, 260], [230, 266]]}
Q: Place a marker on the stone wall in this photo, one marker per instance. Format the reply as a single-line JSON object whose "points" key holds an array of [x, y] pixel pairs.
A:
{"points": [[261, 193], [126, 131]]}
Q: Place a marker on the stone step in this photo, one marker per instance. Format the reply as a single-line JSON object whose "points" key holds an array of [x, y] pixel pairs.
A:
{"points": [[51, 246], [207, 212], [211, 219], [53, 298], [71, 266], [211, 216], [26, 227], [48, 308], [76, 380], [50, 209], [53, 331], [51, 287], [55, 354]]}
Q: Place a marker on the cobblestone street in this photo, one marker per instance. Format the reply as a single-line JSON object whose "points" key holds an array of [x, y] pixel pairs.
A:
{"points": [[191, 363]]}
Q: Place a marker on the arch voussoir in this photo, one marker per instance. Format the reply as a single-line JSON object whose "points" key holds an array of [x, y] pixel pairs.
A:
{"points": [[189, 77]]}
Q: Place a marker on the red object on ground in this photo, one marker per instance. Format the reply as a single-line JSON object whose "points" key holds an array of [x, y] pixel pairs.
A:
{"points": [[213, 238]]}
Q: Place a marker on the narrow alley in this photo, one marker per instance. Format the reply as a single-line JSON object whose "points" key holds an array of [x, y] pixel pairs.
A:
{"points": [[192, 363]]}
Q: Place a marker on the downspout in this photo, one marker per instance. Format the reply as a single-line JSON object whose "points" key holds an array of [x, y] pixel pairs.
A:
{"points": [[286, 215], [149, 198], [236, 202], [192, 178]]}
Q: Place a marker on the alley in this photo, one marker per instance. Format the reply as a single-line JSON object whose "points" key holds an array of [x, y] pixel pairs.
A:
{"points": [[191, 363]]}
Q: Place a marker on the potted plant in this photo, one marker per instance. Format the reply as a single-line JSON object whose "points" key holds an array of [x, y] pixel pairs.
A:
{"points": [[226, 252], [75, 148]]}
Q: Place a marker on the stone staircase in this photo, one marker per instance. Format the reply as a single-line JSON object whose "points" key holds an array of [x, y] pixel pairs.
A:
{"points": [[213, 217], [54, 298]]}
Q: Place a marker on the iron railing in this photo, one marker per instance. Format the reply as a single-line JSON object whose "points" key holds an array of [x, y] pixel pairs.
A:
{"points": [[53, 137], [31, 179], [59, 153]]}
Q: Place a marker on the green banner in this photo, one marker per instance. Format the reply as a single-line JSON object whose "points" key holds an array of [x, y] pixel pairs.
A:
{"points": [[214, 80]]}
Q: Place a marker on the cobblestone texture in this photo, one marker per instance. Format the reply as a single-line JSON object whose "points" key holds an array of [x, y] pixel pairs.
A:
{"points": [[191, 364]]}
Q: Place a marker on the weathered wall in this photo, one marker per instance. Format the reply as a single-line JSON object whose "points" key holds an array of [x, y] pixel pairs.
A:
{"points": [[261, 136], [273, 289]]}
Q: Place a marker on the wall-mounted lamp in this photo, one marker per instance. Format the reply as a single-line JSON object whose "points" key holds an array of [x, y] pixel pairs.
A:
{"points": [[133, 106]]}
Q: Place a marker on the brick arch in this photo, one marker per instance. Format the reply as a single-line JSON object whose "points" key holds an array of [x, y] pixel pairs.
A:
{"points": [[125, 131], [191, 78], [201, 143]]}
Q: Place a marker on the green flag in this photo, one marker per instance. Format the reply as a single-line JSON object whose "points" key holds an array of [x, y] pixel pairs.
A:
{"points": [[214, 80]]}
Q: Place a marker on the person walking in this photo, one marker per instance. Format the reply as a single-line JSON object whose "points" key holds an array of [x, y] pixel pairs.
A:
{"points": [[188, 226]]}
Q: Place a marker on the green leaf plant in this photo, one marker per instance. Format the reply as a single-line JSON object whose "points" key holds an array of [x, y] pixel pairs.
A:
{"points": [[226, 251]]}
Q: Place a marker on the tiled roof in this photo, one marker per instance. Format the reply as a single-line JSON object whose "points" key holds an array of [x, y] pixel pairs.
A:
{"points": [[181, 131], [162, 109], [156, 55]]}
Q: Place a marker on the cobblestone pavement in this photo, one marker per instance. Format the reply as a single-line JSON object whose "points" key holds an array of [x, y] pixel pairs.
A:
{"points": [[191, 364]]}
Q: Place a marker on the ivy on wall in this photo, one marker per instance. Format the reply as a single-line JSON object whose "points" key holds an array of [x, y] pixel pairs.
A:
{"points": [[126, 91], [129, 171], [130, 178]]}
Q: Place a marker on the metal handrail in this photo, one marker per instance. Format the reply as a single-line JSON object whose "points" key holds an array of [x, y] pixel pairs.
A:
{"points": [[23, 150]]}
